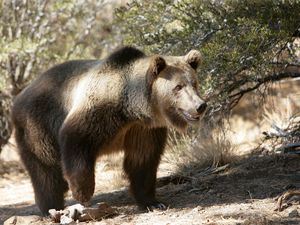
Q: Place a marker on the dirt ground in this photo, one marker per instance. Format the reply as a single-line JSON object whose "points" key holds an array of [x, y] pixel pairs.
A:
{"points": [[243, 192]]}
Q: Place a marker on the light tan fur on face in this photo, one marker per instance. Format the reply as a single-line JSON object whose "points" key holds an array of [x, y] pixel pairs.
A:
{"points": [[176, 88]]}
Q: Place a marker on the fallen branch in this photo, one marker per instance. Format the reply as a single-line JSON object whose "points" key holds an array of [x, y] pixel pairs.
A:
{"points": [[287, 195]]}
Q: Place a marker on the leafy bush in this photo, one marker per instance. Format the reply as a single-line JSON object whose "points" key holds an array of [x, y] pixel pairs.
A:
{"points": [[245, 44]]}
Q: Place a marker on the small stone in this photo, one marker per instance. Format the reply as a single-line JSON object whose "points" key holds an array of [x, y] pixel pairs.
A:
{"points": [[75, 211], [294, 213], [66, 220], [55, 215], [197, 209]]}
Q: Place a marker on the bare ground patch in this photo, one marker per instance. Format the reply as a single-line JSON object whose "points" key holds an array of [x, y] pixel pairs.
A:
{"points": [[244, 192]]}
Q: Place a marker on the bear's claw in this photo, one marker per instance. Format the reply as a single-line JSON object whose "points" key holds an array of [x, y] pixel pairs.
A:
{"points": [[156, 205]]}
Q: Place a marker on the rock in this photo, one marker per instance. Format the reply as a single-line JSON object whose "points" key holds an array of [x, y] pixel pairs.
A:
{"points": [[74, 211], [64, 219], [55, 215], [294, 213]]}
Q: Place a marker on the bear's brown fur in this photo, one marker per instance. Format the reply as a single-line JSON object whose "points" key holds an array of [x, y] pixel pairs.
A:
{"points": [[80, 110]]}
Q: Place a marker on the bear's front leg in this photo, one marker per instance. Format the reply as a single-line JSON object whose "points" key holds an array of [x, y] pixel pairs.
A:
{"points": [[143, 149], [81, 183], [78, 163]]}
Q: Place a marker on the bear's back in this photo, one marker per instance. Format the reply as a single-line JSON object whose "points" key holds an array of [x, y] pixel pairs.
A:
{"points": [[70, 69], [44, 96], [51, 82]]}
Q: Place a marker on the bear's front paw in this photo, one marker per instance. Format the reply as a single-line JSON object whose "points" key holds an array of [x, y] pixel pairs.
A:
{"points": [[82, 190], [82, 196]]}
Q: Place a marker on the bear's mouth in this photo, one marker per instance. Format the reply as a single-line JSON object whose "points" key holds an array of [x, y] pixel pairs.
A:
{"points": [[189, 117]]}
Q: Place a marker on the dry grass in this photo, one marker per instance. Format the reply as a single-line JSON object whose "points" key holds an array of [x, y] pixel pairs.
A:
{"points": [[206, 147], [280, 116], [281, 125], [109, 173]]}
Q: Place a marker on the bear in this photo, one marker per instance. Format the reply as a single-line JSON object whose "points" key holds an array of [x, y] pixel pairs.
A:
{"points": [[81, 110]]}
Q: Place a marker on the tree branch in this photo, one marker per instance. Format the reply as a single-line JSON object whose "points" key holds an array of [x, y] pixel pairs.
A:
{"points": [[267, 79]]}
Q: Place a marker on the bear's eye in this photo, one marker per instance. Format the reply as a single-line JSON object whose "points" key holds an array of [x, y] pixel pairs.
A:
{"points": [[178, 87]]}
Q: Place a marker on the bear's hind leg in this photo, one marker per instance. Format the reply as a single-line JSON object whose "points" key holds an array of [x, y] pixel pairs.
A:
{"points": [[143, 149], [47, 180]]}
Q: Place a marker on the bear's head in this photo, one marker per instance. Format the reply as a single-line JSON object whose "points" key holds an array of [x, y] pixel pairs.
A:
{"points": [[174, 89]]}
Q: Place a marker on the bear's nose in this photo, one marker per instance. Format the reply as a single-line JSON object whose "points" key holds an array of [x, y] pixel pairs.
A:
{"points": [[201, 107]]}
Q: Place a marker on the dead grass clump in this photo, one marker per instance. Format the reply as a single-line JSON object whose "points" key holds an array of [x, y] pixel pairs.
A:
{"points": [[283, 127], [206, 146], [109, 172]]}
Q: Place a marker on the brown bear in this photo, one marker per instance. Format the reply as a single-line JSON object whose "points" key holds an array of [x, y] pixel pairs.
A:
{"points": [[80, 110]]}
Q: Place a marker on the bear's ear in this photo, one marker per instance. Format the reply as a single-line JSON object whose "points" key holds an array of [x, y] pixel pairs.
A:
{"points": [[157, 64], [193, 58]]}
